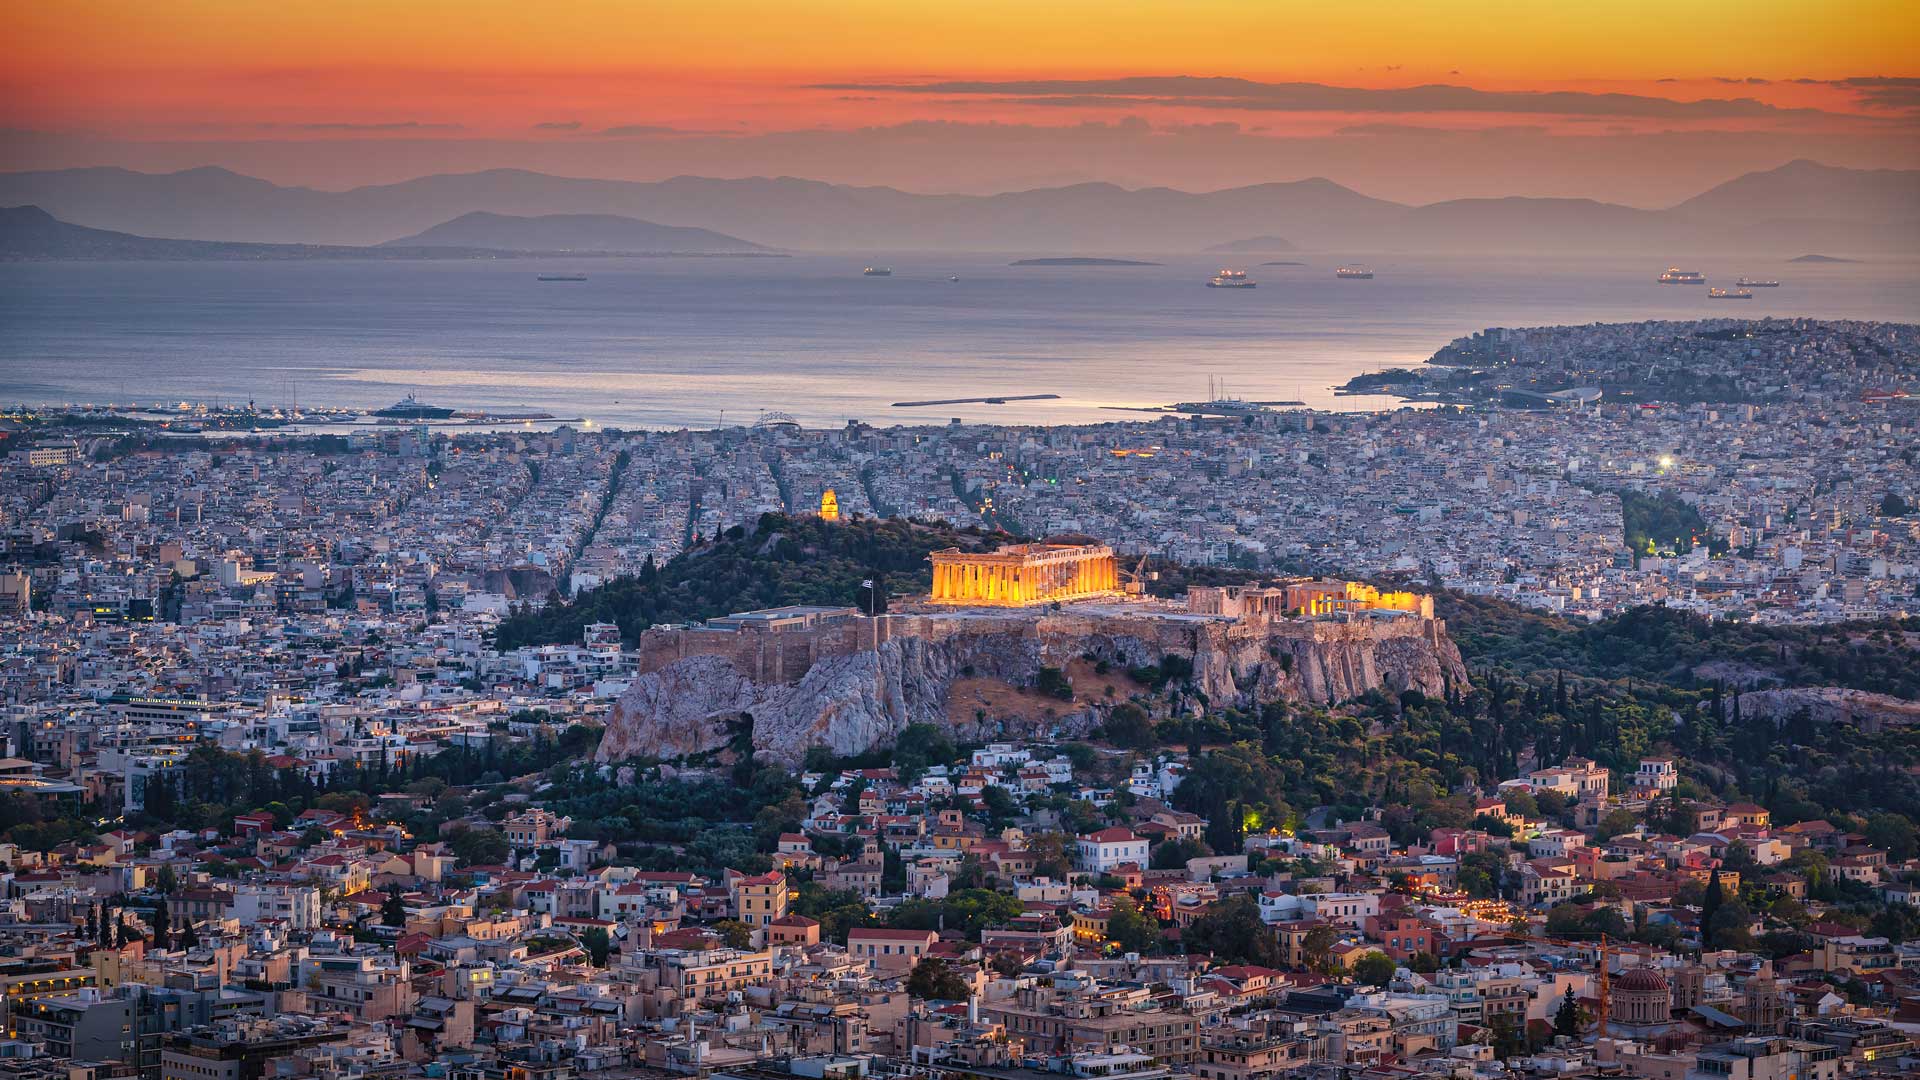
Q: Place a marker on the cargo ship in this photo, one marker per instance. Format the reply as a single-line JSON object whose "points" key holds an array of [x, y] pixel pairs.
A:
{"points": [[1354, 273], [1729, 294], [1231, 279], [411, 408], [1673, 275], [878, 271], [1745, 283], [562, 277]]}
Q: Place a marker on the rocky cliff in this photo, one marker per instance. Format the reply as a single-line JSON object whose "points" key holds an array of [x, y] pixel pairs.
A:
{"points": [[1832, 705], [855, 686]]}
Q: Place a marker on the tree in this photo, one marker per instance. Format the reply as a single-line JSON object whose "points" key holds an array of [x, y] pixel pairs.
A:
{"points": [[1523, 803], [932, 980], [1614, 824], [1173, 854], [166, 881], [1000, 805], [1128, 725], [1505, 1035], [1894, 833], [1049, 852], [594, 939], [1569, 1020], [1130, 928], [1709, 906], [190, 936], [393, 910], [1232, 932], [918, 746], [1374, 969], [738, 935], [162, 937], [478, 847], [1317, 947]]}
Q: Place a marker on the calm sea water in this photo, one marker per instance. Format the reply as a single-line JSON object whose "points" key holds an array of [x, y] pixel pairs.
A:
{"points": [[668, 342]]}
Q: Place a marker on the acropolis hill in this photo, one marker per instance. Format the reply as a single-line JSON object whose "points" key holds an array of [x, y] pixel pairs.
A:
{"points": [[816, 676]]}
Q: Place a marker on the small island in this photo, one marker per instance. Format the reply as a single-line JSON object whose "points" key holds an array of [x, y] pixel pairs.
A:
{"points": [[1283, 262], [1080, 260], [1822, 259]]}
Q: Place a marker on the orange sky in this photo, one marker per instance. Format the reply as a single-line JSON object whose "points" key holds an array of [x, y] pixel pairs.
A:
{"points": [[1645, 102], [216, 67]]}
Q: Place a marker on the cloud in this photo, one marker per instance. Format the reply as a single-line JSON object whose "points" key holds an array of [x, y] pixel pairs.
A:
{"points": [[1218, 92], [1384, 129], [396, 125], [1883, 91], [1218, 127], [558, 125], [623, 131]]}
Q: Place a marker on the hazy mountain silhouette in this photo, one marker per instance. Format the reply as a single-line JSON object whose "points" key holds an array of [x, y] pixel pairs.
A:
{"points": [[1798, 207], [29, 232], [571, 232]]}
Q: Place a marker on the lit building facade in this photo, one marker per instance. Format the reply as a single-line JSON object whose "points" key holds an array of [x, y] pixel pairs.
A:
{"points": [[1018, 575]]}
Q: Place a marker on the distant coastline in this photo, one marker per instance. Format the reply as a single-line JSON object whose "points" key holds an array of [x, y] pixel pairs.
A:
{"points": [[1081, 260], [1822, 259]]}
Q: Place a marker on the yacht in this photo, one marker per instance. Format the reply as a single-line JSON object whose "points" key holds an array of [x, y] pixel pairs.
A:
{"points": [[878, 271], [1729, 294], [1673, 275], [1354, 273], [1231, 279], [411, 408]]}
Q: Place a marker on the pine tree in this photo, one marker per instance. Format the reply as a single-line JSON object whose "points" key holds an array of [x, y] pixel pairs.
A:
{"points": [[1567, 1020]]}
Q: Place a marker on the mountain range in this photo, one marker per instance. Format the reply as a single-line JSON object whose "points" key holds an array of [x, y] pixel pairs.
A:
{"points": [[29, 232], [1800, 206]]}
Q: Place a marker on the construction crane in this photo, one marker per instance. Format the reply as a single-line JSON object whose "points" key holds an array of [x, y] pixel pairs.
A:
{"points": [[1136, 579]]}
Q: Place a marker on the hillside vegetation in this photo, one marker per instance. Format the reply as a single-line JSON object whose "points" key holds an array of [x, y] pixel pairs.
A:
{"points": [[1685, 649], [783, 560]]}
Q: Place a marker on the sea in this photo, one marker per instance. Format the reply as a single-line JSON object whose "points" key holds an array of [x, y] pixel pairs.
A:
{"points": [[699, 342]]}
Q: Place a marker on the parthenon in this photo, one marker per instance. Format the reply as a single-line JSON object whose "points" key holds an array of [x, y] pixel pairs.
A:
{"points": [[1018, 575]]}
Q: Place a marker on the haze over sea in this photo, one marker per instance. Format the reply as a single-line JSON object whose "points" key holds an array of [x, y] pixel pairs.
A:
{"points": [[673, 342]]}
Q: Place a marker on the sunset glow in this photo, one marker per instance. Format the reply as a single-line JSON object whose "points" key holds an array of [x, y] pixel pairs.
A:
{"points": [[222, 68]]}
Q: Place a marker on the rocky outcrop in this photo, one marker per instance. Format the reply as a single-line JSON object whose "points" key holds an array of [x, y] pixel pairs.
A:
{"points": [[854, 686], [1831, 705]]}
